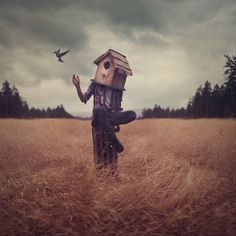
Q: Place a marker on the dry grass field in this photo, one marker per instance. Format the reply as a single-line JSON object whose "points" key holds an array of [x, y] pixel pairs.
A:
{"points": [[175, 177]]}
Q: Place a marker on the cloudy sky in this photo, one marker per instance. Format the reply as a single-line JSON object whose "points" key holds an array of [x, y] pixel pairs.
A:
{"points": [[172, 46]]}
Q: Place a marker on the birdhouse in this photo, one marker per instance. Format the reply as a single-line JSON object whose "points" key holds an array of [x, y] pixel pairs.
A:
{"points": [[112, 69]]}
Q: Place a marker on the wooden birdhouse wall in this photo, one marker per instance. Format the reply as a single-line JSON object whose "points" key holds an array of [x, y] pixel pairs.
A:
{"points": [[119, 78], [105, 71]]}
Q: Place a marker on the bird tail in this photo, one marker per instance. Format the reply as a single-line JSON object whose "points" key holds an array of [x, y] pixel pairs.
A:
{"points": [[59, 59]]}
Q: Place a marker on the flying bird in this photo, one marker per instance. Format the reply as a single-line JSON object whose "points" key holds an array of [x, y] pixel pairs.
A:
{"points": [[59, 54]]}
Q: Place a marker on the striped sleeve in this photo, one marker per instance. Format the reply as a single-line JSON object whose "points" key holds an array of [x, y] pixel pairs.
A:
{"points": [[89, 92]]}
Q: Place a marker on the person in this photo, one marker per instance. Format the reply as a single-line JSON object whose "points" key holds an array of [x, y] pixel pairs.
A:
{"points": [[107, 111]]}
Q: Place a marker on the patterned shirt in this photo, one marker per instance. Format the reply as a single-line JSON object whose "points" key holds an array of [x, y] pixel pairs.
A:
{"points": [[104, 96]]}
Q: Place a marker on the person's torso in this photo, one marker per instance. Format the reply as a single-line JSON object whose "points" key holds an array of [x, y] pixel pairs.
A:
{"points": [[107, 97]]}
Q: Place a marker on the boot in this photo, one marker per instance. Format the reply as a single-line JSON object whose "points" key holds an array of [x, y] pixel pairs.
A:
{"points": [[115, 141], [118, 146]]}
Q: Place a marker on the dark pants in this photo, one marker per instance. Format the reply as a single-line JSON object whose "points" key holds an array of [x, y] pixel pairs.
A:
{"points": [[107, 120]]}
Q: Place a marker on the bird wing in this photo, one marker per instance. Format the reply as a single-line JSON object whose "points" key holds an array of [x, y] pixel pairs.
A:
{"points": [[59, 59], [63, 53]]}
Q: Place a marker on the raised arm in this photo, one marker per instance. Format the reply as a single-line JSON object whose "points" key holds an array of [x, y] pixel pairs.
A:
{"points": [[76, 82]]}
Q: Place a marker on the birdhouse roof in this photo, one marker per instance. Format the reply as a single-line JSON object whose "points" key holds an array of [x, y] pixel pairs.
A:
{"points": [[119, 60]]}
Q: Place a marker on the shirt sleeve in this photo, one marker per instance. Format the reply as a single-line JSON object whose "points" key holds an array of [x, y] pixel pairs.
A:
{"points": [[89, 92]]}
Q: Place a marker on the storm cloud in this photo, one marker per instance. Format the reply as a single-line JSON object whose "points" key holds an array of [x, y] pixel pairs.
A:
{"points": [[172, 46]]}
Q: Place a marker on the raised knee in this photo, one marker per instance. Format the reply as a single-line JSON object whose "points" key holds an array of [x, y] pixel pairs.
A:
{"points": [[132, 115]]}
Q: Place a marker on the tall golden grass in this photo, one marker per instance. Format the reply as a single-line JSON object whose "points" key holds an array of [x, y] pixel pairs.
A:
{"points": [[175, 177]]}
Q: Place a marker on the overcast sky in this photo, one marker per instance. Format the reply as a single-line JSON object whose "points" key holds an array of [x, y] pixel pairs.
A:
{"points": [[172, 47]]}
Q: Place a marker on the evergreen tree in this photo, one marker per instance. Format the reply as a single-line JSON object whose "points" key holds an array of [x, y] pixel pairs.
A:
{"points": [[147, 113], [197, 103], [230, 95], [7, 100], [206, 96], [189, 110], [1, 105], [217, 103], [16, 103], [167, 112], [25, 109]]}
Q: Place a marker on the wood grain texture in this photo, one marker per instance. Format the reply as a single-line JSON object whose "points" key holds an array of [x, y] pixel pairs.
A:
{"points": [[105, 155]]}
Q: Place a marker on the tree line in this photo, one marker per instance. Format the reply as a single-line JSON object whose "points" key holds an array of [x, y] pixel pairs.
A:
{"points": [[12, 105], [208, 102]]}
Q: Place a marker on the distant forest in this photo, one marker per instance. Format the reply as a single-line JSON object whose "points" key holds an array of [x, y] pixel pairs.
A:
{"points": [[208, 102], [13, 106]]}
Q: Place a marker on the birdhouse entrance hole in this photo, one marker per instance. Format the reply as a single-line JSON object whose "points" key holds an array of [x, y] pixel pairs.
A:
{"points": [[107, 65]]}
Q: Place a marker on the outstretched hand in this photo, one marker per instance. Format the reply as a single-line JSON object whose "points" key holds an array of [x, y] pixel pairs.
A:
{"points": [[76, 80]]}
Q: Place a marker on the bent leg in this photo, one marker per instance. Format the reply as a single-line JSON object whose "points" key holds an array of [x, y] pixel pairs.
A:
{"points": [[119, 118], [101, 118]]}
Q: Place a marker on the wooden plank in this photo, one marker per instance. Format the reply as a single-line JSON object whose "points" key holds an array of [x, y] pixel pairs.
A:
{"points": [[119, 56], [118, 81], [114, 54], [127, 72], [121, 63]]}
